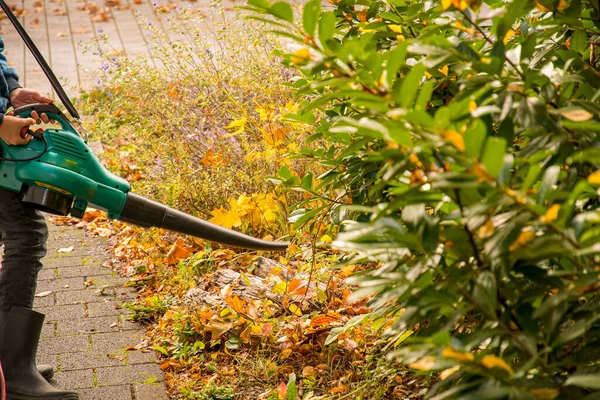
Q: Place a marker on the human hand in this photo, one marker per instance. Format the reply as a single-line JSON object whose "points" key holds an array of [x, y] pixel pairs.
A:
{"points": [[21, 97], [10, 129]]}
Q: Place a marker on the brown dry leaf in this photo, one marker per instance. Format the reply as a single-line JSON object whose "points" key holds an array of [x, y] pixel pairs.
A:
{"points": [[102, 17], [578, 115], [80, 31], [309, 372], [178, 252], [219, 327], [349, 344], [285, 354], [59, 12]]}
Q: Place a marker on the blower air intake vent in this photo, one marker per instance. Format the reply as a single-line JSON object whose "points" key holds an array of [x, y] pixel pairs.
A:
{"points": [[64, 144]]}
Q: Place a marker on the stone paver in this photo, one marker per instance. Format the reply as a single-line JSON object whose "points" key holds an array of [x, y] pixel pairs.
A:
{"points": [[86, 334], [65, 32]]}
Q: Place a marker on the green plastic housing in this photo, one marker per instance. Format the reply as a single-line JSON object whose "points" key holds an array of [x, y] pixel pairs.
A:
{"points": [[68, 167]]}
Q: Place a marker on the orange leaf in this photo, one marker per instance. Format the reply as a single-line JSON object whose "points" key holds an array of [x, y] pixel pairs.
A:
{"points": [[239, 306], [178, 252], [322, 320], [339, 389], [166, 365], [296, 286], [362, 15]]}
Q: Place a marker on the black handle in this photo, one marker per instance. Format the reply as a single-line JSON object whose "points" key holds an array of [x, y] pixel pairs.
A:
{"points": [[36, 134], [40, 108]]}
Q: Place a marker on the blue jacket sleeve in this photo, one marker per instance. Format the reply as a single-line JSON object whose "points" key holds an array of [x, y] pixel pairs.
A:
{"points": [[10, 74]]}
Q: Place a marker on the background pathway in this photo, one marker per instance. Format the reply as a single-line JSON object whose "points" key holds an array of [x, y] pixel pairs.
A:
{"points": [[86, 334], [64, 31]]}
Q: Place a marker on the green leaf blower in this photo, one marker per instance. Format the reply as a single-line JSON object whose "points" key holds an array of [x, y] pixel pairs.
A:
{"points": [[58, 173]]}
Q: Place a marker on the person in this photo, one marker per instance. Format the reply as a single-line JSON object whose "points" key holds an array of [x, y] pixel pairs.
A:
{"points": [[23, 232]]}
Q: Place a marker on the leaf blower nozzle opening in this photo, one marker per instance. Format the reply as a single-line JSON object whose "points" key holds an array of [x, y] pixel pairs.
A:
{"points": [[147, 213]]}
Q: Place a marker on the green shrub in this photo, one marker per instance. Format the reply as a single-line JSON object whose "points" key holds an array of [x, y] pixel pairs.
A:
{"points": [[465, 136]]}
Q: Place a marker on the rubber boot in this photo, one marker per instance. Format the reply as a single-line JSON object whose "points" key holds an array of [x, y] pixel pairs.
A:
{"points": [[20, 332], [46, 370]]}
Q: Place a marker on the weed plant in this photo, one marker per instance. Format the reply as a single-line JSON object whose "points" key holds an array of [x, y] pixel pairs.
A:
{"points": [[201, 122]]}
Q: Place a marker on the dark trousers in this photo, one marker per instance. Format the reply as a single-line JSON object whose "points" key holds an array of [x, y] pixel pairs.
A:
{"points": [[24, 233]]}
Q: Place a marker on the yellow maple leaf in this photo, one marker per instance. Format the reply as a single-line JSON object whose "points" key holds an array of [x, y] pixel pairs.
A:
{"points": [[239, 123], [226, 218], [289, 108], [491, 361], [265, 113], [594, 178], [326, 239]]}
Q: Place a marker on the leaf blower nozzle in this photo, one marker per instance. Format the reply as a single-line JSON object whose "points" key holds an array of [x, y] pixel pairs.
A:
{"points": [[147, 213]]}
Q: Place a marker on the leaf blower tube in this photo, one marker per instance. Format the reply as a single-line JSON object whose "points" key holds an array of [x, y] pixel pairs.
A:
{"points": [[147, 213]]}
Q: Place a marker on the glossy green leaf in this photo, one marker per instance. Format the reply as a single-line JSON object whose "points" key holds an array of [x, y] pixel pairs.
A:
{"points": [[310, 16], [493, 155], [282, 10]]}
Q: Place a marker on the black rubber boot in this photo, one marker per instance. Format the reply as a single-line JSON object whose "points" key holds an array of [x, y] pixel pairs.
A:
{"points": [[20, 332], [46, 370]]}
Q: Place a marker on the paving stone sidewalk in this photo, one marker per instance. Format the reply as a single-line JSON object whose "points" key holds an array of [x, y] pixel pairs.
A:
{"points": [[86, 332]]}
